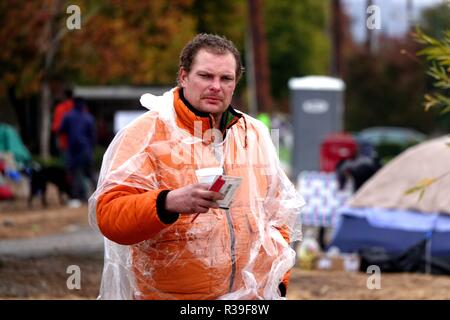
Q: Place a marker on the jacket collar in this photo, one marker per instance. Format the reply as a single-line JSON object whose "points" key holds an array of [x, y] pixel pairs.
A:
{"points": [[187, 115]]}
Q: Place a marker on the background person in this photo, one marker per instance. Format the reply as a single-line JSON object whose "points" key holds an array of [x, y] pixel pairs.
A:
{"points": [[79, 126]]}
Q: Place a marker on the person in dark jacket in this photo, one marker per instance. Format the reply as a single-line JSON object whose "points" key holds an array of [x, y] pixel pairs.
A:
{"points": [[359, 168], [79, 126]]}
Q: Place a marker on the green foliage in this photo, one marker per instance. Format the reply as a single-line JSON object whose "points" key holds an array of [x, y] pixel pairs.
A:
{"points": [[386, 88], [297, 41], [99, 151], [225, 18], [437, 52], [20, 36], [221, 17], [421, 187], [128, 42], [51, 161], [120, 42], [435, 20]]}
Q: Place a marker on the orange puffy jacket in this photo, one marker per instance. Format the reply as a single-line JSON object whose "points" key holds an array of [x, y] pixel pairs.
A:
{"points": [[222, 251]]}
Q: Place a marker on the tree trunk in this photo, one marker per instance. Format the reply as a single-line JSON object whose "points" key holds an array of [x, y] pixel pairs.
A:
{"points": [[250, 75], [261, 61], [369, 32], [51, 48], [337, 38], [45, 119]]}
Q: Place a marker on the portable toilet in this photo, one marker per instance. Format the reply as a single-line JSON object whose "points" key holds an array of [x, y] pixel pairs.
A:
{"points": [[317, 108]]}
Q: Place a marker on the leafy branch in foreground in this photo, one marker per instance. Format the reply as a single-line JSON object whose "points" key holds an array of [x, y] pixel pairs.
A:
{"points": [[423, 184], [437, 52]]}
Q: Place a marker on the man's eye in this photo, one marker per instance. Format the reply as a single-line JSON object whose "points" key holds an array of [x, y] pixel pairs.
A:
{"points": [[205, 76]]}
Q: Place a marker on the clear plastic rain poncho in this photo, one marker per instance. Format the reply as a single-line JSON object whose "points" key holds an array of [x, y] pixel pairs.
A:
{"points": [[235, 253]]}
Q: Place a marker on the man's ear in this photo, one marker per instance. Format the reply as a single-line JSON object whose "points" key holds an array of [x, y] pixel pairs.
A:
{"points": [[182, 74]]}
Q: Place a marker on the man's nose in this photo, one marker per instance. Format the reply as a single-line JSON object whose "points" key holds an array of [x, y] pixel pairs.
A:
{"points": [[215, 84]]}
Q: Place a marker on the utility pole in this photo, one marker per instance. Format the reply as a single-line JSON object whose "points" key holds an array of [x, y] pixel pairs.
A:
{"points": [[369, 31], [410, 12], [250, 75], [260, 56], [336, 35], [52, 43]]}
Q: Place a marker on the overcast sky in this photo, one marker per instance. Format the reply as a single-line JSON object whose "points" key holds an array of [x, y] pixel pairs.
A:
{"points": [[394, 18]]}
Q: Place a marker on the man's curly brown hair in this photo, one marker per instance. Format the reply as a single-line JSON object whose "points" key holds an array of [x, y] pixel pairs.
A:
{"points": [[211, 43]]}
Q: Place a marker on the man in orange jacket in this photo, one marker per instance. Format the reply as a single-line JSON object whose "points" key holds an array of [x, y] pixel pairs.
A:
{"points": [[148, 193]]}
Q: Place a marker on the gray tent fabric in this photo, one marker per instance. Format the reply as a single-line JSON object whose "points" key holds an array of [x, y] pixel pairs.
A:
{"points": [[386, 189]]}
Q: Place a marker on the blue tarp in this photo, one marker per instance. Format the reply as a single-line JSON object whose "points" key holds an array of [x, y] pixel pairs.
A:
{"points": [[393, 230]]}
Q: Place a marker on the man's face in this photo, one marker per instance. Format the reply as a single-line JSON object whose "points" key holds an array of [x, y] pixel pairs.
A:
{"points": [[210, 84]]}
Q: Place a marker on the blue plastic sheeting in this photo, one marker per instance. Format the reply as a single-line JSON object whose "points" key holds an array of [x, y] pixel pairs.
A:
{"points": [[400, 219], [393, 230]]}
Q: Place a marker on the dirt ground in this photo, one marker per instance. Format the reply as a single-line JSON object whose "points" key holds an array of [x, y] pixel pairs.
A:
{"points": [[17, 220], [46, 277], [341, 285]]}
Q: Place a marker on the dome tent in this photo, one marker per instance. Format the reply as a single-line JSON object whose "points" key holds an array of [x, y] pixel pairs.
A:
{"points": [[386, 189], [381, 215]]}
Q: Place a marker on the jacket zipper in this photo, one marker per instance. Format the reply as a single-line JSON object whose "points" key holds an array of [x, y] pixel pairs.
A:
{"points": [[232, 246], [230, 224]]}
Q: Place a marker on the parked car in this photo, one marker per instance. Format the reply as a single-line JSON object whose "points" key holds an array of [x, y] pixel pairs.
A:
{"points": [[390, 141], [395, 135]]}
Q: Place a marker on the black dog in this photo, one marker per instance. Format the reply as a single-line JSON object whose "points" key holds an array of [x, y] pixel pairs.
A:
{"points": [[40, 176]]}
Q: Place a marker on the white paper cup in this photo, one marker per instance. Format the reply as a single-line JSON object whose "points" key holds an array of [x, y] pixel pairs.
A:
{"points": [[207, 175]]}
